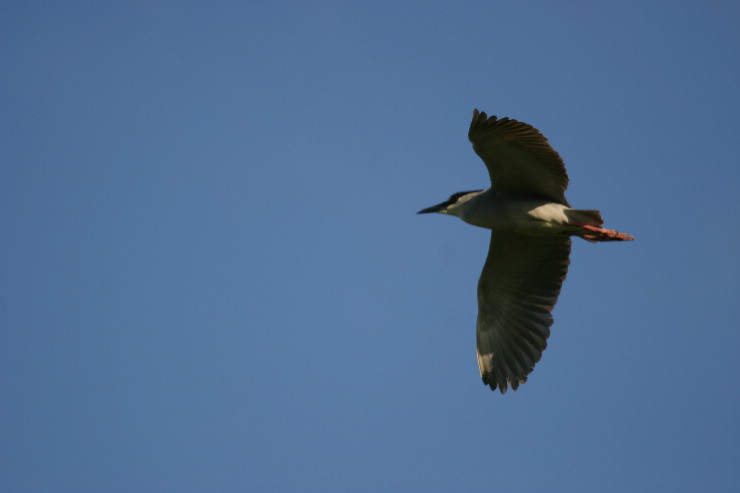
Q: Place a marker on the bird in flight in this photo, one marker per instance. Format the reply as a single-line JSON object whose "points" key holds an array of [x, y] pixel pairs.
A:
{"points": [[531, 224]]}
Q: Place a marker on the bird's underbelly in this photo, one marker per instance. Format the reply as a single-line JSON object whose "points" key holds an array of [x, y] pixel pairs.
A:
{"points": [[526, 217]]}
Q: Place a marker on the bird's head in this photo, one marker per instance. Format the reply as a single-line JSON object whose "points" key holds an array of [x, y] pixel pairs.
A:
{"points": [[453, 205]]}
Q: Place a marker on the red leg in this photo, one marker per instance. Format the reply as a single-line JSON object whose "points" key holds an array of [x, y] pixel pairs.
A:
{"points": [[602, 234]]}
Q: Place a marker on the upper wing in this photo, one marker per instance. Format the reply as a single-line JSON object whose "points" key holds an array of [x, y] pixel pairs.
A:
{"points": [[518, 157], [518, 289]]}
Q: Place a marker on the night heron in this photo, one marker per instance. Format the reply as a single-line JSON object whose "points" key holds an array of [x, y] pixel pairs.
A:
{"points": [[531, 223]]}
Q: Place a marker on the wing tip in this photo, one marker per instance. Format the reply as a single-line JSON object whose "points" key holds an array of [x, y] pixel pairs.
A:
{"points": [[480, 118], [502, 384], [500, 379]]}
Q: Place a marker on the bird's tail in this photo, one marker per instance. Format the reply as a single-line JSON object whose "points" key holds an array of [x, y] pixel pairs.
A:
{"points": [[587, 225], [584, 216]]}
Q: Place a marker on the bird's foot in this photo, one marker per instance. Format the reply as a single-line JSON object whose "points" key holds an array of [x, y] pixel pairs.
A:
{"points": [[594, 233]]}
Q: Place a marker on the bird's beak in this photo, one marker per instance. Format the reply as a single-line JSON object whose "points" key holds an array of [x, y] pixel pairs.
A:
{"points": [[435, 208]]}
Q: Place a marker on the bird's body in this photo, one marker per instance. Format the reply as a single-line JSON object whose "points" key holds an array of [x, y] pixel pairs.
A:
{"points": [[531, 223], [508, 212]]}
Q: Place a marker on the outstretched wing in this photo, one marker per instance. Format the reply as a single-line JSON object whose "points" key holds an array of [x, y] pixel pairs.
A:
{"points": [[518, 157], [517, 291]]}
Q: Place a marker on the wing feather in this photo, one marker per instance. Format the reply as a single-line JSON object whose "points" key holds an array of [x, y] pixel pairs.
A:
{"points": [[517, 292], [518, 157]]}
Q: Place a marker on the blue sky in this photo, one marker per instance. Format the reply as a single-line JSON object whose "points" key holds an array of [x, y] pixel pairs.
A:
{"points": [[213, 277]]}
